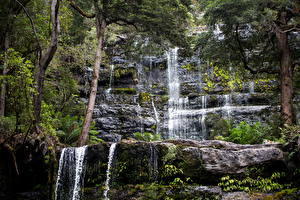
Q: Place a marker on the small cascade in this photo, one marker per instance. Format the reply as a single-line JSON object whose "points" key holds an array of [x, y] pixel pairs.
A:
{"points": [[112, 149], [202, 122], [251, 87], [174, 84], [153, 162], [227, 105], [156, 117], [110, 79], [70, 173], [139, 113]]}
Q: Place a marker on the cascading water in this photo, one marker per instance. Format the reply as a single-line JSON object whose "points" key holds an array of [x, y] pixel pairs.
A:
{"points": [[181, 124], [112, 149], [110, 79], [203, 125], [156, 117], [251, 87], [153, 162], [227, 105], [70, 173]]}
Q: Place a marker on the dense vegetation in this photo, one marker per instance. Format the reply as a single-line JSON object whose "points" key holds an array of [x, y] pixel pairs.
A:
{"points": [[49, 48]]}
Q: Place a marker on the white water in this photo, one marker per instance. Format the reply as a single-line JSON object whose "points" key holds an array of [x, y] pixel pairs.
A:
{"points": [[60, 168], [110, 79], [203, 125], [108, 171], [79, 157], [227, 105], [181, 125], [251, 87], [156, 117], [70, 173]]}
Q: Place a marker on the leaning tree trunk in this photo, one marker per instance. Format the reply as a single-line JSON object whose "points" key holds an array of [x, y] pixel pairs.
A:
{"points": [[286, 81], [101, 25], [44, 62]]}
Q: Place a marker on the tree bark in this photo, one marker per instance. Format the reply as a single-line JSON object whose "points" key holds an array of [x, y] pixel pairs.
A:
{"points": [[44, 62], [4, 73], [286, 81], [101, 26]]}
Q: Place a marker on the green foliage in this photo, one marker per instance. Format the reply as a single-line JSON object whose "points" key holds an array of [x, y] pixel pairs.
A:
{"points": [[289, 132], [146, 136], [144, 98], [69, 127], [124, 91], [19, 83], [7, 126], [125, 72], [258, 184], [188, 67], [244, 133]]}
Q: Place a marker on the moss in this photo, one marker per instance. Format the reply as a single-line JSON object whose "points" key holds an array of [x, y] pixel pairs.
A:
{"points": [[189, 67], [124, 91], [123, 72], [144, 98]]}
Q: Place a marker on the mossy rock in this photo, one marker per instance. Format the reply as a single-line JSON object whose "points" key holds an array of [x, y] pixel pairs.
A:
{"points": [[131, 91]]}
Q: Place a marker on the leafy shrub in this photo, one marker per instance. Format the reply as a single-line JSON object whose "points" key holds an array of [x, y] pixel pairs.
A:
{"points": [[7, 126], [146, 136], [288, 133], [245, 133], [248, 184], [69, 130]]}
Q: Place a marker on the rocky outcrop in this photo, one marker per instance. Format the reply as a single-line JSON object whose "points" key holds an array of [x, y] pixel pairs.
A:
{"points": [[139, 162]]}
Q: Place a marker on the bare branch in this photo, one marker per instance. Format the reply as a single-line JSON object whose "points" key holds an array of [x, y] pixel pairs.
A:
{"points": [[79, 10]]}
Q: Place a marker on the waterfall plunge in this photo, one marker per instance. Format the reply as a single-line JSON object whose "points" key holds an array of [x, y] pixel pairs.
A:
{"points": [[70, 173], [108, 171]]}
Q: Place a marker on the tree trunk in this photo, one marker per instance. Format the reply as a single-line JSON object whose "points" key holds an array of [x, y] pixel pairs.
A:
{"points": [[3, 85], [44, 62], [286, 81], [101, 25]]}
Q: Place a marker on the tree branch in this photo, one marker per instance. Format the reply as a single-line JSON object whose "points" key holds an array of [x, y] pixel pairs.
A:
{"points": [[245, 61], [47, 57], [79, 10], [32, 25]]}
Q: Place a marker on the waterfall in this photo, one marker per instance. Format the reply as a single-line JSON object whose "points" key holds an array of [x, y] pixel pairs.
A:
{"points": [[70, 173], [156, 117], [227, 105], [111, 79], [251, 87], [174, 84], [153, 164], [203, 125], [181, 124], [108, 171]]}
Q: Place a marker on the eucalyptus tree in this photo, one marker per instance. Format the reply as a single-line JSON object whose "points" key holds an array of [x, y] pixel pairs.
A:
{"points": [[259, 35], [162, 18]]}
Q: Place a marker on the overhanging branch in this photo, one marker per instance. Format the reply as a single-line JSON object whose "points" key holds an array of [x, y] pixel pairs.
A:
{"points": [[80, 11]]}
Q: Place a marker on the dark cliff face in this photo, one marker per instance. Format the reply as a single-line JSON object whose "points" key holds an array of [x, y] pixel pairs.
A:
{"points": [[26, 170]]}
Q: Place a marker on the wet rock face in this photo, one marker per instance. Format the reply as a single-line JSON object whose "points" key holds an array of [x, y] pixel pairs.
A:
{"points": [[202, 162], [126, 92]]}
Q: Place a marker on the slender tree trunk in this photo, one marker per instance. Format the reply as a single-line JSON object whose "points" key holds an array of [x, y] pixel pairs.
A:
{"points": [[44, 62], [101, 25], [286, 81], [4, 73]]}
